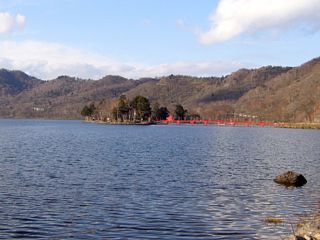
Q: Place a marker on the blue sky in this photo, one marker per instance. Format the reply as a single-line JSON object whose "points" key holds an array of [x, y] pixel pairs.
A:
{"points": [[140, 38]]}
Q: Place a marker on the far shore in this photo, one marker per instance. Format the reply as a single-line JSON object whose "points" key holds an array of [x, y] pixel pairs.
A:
{"points": [[302, 125], [119, 123]]}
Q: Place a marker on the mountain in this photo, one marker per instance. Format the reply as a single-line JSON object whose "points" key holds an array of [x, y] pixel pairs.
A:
{"points": [[266, 93], [14, 82], [291, 96], [65, 96], [211, 97], [11, 84]]}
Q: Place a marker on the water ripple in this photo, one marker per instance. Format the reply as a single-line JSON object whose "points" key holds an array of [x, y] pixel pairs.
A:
{"points": [[66, 179]]}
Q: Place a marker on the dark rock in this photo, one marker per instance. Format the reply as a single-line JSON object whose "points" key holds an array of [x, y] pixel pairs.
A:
{"points": [[291, 179], [300, 238]]}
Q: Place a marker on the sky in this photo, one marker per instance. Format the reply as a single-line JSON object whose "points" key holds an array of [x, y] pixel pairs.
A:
{"points": [[154, 38]]}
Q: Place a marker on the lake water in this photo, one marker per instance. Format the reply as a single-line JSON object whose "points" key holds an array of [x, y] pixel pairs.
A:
{"points": [[68, 179]]}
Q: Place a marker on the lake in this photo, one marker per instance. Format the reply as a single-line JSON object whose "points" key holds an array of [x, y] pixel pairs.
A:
{"points": [[69, 179]]}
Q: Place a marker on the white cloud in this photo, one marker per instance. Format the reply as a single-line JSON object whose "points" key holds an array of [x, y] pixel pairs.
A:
{"points": [[10, 22], [203, 68], [49, 60], [235, 17]]}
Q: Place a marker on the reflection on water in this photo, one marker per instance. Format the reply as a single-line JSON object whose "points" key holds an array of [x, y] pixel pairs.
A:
{"points": [[68, 179]]}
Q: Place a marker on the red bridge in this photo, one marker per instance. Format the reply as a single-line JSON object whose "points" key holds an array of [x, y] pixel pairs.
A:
{"points": [[170, 120]]}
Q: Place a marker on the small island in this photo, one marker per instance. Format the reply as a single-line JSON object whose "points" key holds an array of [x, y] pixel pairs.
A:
{"points": [[136, 111]]}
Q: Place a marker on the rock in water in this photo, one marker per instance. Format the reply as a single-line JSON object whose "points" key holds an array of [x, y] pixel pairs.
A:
{"points": [[291, 179]]}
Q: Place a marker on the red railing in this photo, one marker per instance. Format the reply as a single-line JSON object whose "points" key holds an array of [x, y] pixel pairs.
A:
{"points": [[218, 122]]}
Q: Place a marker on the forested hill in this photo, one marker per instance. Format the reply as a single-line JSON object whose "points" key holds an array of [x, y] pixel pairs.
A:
{"points": [[267, 93], [14, 82]]}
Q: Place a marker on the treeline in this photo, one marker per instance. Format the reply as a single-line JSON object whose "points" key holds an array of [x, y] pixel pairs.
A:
{"points": [[136, 110]]}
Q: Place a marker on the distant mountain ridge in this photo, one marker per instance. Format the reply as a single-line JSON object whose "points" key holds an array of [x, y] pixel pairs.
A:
{"points": [[266, 93], [14, 82]]}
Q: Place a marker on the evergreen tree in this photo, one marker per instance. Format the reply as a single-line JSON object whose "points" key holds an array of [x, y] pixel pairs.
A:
{"points": [[88, 111], [179, 112], [163, 113], [123, 108], [159, 113], [85, 112], [141, 108], [155, 111]]}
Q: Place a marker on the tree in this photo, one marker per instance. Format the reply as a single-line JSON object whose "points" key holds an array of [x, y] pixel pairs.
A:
{"points": [[88, 111], [115, 114], [92, 108], [85, 112], [163, 113], [123, 108], [141, 108], [193, 116], [179, 112], [155, 111], [159, 113]]}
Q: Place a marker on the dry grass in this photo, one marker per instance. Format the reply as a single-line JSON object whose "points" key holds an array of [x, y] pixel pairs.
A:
{"points": [[300, 125], [273, 220]]}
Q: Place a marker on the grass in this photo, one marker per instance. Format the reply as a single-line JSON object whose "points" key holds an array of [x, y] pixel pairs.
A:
{"points": [[300, 125], [273, 220]]}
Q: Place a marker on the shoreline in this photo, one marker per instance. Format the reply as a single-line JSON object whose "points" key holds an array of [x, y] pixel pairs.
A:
{"points": [[300, 125], [120, 123], [253, 124], [308, 228]]}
